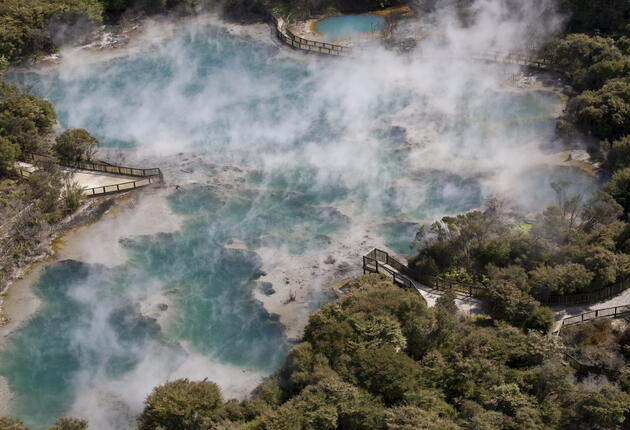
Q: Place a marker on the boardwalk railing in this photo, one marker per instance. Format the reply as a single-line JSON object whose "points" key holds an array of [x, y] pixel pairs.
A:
{"points": [[378, 259], [590, 297], [119, 188], [146, 176], [285, 35], [614, 312], [96, 167]]}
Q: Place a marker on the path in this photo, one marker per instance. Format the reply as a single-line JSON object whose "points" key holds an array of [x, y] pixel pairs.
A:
{"points": [[96, 178], [283, 33], [86, 179], [378, 261]]}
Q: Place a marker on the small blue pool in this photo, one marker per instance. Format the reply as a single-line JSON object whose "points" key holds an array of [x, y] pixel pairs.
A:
{"points": [[346, 26]]}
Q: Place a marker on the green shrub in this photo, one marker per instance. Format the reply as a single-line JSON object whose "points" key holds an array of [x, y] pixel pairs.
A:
{"points": [[9, 152], [603, 113], [69, 424], [604, 409], [12, 424], [619, 188], [75, 145], [618, 154], [182, 405]]}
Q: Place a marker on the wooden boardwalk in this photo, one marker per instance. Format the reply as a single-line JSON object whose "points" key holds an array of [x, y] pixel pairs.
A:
{"points": [[97, 179], [285, 35]]}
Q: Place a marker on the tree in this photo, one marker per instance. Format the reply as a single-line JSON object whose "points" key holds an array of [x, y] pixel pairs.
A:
{"points": [[587, 15], [389, 374], [45, 189], [12, 424], [585, 61], [413, 417], [604, 409], [25, 119], [72, 195], [328, 405], [619, 188], [69, 424], [181, 405], [603, 113], [560, 279], [600, 210], [76, 145], [9, 152], [507, 302], [618, 154]]}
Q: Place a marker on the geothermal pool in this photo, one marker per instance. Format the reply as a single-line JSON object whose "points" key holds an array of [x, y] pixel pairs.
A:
{"points": [[348, 26], [279, 157]]}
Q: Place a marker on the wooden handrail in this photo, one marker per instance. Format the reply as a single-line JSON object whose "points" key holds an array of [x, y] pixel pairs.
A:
{"points": [[612, 312], [148, 176], [96, 167], [477, 290], [288, 37]]}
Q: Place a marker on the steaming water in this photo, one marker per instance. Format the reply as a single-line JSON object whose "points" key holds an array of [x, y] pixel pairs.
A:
{"points": [[332, 154], [346, 26]]}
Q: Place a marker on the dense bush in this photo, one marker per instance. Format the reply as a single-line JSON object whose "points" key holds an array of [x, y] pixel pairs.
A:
{"points": [[75, 145], [23, 23], [9, 152], [570, 248], [602, 15], [60, 424], [587, 62], [25, 120], [69, 424], [602, 113], [29, 28], [181, 405], [11, 424]]}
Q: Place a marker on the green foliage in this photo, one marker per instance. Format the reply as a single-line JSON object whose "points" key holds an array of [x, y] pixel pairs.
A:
{"points": [[330, 404], [573, 247], [588, 15], [69, 424], [506, 302], [245, 10], [12, 424], [624, 379], [618, 153], [115, 8], [75, 145], [412, 418], [9, 152], [181, 404], [302, 9], [44, 189], [587, 62], [560, 279], [72, 196], [603, 112], [604, 409], [23, 24], [387, 373], [619, 188], [25, 120]]}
